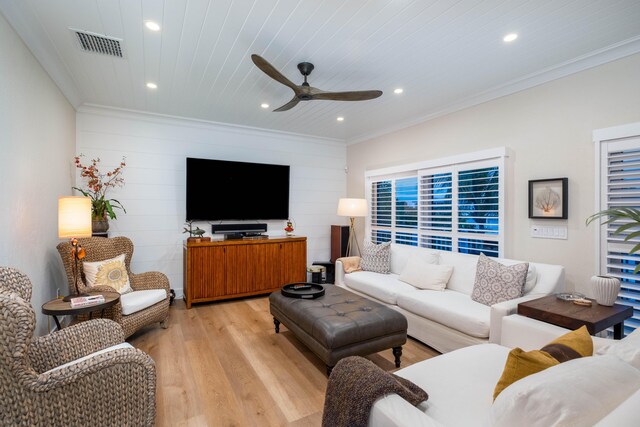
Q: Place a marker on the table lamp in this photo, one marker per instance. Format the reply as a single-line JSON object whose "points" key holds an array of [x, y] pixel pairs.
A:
{"points": [[74, 221], [352, 208]]}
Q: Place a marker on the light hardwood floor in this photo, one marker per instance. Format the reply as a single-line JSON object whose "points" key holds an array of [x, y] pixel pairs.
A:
{"points": [[222, 364]]}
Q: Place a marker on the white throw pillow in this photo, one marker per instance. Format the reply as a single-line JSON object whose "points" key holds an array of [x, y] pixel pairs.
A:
{"points": [[627, 349], [579, 392], [110, 272], [423, 275]]}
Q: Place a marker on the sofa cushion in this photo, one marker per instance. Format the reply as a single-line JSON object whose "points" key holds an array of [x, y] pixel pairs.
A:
{"points": [[627, 349], [464, 271], [522, 363], [496, 282], [449, 308], [424, 275], [579, 392], [384, 288], [400, 254], [376, 258], [459, 383], [139, 300]]}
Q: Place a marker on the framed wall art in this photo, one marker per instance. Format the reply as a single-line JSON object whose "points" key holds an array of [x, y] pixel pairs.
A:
{"points": [[549, 198]]}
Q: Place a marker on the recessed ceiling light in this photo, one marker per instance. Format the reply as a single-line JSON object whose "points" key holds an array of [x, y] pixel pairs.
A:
{"points": [[152, 85], [264, 105], [340, 119], [398, 91], [152, 25], [510, 37]]}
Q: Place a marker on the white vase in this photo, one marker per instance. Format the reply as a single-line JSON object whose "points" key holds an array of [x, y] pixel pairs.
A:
{"points": [[605, 289]]}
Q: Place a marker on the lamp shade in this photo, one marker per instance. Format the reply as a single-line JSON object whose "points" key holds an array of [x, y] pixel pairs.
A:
{"points": [[74, 217], [352, 207]]}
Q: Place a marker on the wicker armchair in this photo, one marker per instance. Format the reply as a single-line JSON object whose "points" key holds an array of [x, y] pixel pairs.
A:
{"points": [[116, 387], [102, 248]]}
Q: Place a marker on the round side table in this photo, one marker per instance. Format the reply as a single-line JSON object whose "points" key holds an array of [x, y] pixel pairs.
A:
{"points": [[57, 307]]}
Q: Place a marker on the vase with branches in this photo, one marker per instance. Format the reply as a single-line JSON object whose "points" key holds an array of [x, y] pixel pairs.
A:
{"points": [[97, 185]]}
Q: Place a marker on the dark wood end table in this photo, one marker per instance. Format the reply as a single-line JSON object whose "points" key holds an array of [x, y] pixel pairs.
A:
{"points": [[566, 314], [57, 307]]}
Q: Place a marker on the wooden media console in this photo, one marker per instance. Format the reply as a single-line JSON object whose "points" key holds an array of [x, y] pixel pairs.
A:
{"points": [[227, 269]]}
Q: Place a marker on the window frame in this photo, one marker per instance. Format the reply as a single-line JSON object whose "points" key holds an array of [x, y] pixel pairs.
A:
{"points": [[454, 164]]}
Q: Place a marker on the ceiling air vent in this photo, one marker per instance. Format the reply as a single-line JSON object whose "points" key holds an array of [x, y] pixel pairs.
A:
{"points": [[99, 43]]}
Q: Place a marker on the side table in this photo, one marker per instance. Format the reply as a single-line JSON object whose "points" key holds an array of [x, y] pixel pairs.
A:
{"points": [[566, 314], [58, 307]]}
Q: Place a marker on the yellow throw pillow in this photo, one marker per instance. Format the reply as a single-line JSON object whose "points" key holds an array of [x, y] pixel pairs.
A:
{"points": [[522, 363], [110, 272]]}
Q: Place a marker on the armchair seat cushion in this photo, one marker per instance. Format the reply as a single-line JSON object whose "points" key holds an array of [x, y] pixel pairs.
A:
{"points": [[89, 356], [139, 300]]}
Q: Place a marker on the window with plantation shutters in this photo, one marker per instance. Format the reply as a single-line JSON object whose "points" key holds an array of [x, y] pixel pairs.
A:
{"points": [[619, 186], [457, 207]]}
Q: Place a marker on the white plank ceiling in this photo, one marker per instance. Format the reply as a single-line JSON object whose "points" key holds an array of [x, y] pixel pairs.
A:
{"points": [[445, 54]]}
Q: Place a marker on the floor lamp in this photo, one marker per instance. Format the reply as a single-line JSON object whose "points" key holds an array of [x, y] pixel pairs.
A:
{"points": [[352, 208], [74, 221]]}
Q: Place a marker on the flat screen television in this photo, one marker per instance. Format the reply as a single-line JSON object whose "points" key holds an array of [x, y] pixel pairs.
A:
{"points": [[225, 190]]}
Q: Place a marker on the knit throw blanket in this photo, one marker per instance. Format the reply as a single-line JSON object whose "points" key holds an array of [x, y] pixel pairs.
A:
{"points": [[355, 384]]}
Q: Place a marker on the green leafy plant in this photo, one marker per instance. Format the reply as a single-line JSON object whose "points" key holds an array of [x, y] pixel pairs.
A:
{"points": [[631, 217], [97, 186]]}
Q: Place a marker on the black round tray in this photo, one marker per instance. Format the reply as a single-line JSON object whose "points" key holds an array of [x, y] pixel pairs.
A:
{"points": [[306, 290]]}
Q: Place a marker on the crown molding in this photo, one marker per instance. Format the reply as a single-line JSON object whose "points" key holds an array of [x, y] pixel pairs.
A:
{"points": [[593, 59], [146, 116]]}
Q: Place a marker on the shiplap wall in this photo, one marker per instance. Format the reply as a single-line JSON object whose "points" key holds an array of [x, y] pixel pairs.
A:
{"points": [[154, 193]]}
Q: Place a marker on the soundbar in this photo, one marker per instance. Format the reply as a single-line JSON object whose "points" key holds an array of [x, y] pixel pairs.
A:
{"points": [[238, 231]]}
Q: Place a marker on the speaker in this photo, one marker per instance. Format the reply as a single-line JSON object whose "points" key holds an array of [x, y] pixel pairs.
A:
{"points": [[339, 241], [239, 230]]}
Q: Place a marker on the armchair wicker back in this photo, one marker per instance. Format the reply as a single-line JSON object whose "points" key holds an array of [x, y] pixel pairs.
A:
{"points": [[114, 388], [102, 248]]}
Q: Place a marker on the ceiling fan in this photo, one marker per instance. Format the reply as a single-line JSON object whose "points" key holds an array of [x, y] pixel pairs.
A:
{"points": [[304, 92]]}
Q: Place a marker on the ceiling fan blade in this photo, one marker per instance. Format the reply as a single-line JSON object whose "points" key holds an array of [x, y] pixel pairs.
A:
{"points": [[289, 105], [359, 95], [271, 71]]}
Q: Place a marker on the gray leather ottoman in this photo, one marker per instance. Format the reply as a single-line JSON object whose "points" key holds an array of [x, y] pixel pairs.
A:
{"points": [[340, 324]]}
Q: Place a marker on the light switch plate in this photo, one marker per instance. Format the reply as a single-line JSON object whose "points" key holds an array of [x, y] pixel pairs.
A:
{"points": [[549, 232]]}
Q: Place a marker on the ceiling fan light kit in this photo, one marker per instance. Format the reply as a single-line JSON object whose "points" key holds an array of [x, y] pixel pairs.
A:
{"points": [[306, 92]]}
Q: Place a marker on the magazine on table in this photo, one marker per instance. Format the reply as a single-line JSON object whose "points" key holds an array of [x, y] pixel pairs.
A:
{"points": [[86, 301]]}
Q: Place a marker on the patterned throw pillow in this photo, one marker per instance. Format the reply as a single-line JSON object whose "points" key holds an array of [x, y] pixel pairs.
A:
{"points": [[376, 258], [110, 272], [496, 282]]}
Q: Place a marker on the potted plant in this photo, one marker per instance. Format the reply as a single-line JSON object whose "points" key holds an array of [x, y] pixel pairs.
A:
{"points": [[606, 288], [97, 185], [195, 235]]}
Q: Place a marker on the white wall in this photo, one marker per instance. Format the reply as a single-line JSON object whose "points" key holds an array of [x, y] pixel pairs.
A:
{"points": [[154, 193], [37, 142], [549, 128]]}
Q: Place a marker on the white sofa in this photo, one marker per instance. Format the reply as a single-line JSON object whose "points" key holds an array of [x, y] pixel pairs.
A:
{"points": [[460, 386], [450, 319]]}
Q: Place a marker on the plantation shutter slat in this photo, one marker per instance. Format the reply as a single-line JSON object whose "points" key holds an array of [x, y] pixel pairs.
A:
{"points": [[621, 188], [453, 208]]}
